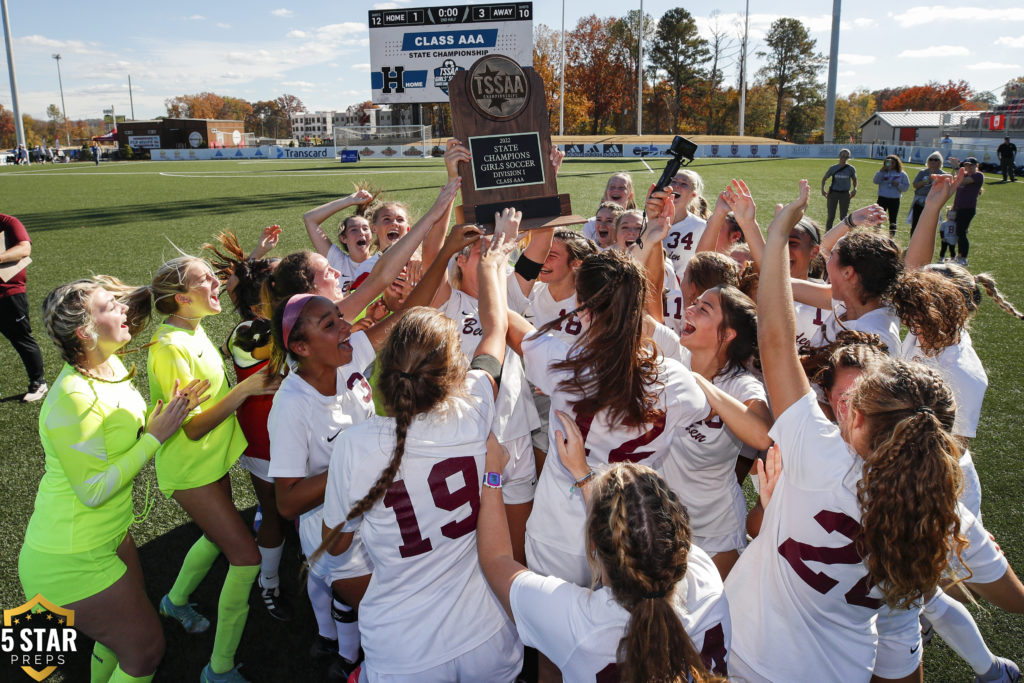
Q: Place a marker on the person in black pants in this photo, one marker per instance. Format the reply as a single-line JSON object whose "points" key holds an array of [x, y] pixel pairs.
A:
{"points": [[14, 319], [1007, 155], [965, 203]]}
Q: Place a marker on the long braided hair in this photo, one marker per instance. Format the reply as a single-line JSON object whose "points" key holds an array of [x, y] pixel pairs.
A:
{"points": [[639, 533], [911, 481], [420, 367]]}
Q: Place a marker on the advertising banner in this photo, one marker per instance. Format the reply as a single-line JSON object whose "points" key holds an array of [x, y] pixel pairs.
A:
{"points": [[415, 52]]}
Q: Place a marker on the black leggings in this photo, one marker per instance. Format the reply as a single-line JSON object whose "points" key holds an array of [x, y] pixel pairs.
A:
{"points": [[14, 325], [892, 207], [963, 222]]}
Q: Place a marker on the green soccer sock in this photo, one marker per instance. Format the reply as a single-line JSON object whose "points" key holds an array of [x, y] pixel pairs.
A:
{"points": [[120, 676], [197, 563], [232, 611], [103, 663]]}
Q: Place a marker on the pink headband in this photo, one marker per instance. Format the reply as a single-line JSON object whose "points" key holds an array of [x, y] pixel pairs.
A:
{"points": [[292, 310]]}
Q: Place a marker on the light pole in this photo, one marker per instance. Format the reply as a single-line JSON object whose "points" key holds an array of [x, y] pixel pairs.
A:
{"points": [[60, 82], [833, 67], [640, 73], [743, 71], [561, 95], [19, 124]]}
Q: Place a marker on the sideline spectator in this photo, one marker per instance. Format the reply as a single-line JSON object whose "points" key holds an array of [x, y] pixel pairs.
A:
{"points": [[1007, 158], [841, 190], [966, 204], [96, 152], [892, 182], [14, 320], [923, 185]]}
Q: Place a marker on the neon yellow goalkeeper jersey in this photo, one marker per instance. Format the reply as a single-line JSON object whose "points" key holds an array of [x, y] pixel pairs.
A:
{"points": [[93, 438]]}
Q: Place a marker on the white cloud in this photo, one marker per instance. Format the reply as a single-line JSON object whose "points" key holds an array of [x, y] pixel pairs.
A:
{"points": [[1011, 42], [390, 5], [361, 67], [297, 34], [282, 12], [936, 51], [221, 24], [864, 22], [197, 17], [305, 85], [992, 66], [856, 59], [72, 46], [918, 16]]}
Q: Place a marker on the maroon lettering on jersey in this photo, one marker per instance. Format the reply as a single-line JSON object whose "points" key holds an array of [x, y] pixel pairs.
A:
{"points": [[797, 553], [713, 652], [609, 674], [364, 392]]}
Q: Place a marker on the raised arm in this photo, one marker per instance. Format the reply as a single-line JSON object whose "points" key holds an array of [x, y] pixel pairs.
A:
{"points": [[314, 218], [739, 199], [491, 275], [493, 541], [709, 238], [394, 259], [269, 237], [921, 249], [533, 258], [649, 252], [865, 217], [776, 324]]}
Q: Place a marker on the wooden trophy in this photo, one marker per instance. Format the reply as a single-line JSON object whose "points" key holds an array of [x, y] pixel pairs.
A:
{"points": [[499, 112]]}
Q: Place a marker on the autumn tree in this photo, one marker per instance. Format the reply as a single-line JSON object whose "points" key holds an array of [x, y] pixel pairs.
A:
{"points": [[594, 68], [1014, 88], [680, 52], [626, 34], [720, 47], [851, 111], [792, 64], [932, 96], [269, 120], [8, 136]]}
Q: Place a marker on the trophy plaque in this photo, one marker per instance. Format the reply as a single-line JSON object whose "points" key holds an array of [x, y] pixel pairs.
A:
{"points": [[499, 112]]}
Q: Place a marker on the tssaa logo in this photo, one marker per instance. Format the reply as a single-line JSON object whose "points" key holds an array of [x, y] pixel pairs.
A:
{"points": [[38, 637], [498, 86]]}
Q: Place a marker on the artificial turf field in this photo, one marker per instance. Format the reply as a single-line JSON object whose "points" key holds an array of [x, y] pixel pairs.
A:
{"points": [[120, 219]]}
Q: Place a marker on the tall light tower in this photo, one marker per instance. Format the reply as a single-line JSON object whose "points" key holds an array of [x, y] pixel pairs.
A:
{"points": [[743, 71], [19, 125], [833, 66], [64, 110]]}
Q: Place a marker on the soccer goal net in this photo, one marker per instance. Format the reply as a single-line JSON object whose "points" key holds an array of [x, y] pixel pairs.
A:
{"points": [[383, 141]]}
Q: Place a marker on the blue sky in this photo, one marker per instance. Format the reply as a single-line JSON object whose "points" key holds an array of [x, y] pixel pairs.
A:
{"points": [[319, 50]]}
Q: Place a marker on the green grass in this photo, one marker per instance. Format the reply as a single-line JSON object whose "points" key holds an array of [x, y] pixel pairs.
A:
{"points": [[122, 218]]}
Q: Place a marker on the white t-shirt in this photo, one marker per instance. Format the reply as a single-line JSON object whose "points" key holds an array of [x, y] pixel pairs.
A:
{"points": [[543, 309], [881, 321], [304, 424], [515, 412], [363, 269], [681, 242], [589, 229], [702, 467], [343, 263], [428, 601], [794, 617], [579, 629], [808, 321], [667, 341], [558, 513], [674, 308], [961, 368]]}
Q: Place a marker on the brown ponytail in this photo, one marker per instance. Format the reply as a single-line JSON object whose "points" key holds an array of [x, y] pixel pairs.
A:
{"points": [[911, 482], [420, 366], [639, 533]]}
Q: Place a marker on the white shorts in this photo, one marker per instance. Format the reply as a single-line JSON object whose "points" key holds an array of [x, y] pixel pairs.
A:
{"points": [[982, 555], [540, 435], [971, 495], [257, 467], [899, 642], [329, 568], [519, 480], [733, 539], [551, 561], [499, 659], [722, 544]]}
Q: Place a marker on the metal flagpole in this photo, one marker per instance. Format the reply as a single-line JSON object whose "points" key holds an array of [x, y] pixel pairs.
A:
{"points": [[131, 100], [19, 125], [561, 96], [640, 73], [743, 70], [63, 108], [833, 67]]}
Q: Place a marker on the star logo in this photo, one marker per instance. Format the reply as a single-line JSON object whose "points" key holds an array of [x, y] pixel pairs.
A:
{"points": [[498, 87]]}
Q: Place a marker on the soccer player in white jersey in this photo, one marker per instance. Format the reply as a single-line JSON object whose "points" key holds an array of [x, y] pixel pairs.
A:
{"points": [[721, 336], [659, 614], [628, 226], [897, 417], [898, 655], [706, 269], [354, 236], [410, 483], [687, 228], [618, 192]]}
